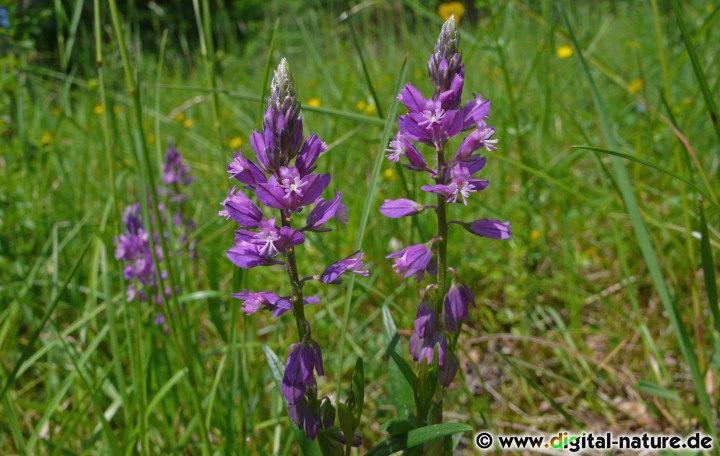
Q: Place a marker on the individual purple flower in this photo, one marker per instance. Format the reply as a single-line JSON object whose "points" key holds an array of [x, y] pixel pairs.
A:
{"points": [[449, 369], [241, 209], [400, 208], [245, 171], [247, 255], [479, 138], [494, 229], [324, 211], [434, 125], [278, 305], [412, 260], [475, 111], [292, 191], [311, 150], [400, 146], [353, 263], [460, 186], [457, 301], [304, 359]]}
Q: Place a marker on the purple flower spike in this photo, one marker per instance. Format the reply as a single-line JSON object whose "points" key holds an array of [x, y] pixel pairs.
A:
{"points": [[324, 211], [174, 171], [353, 263], [494, 229], [458, 299], [241, 209], [412, 260], [400, 208]]}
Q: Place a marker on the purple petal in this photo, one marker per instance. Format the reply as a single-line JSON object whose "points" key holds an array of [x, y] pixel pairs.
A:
{"points": [[257, 141], [323, 212], [289, 238], [494, 229], [400, 208], [452, 123], [475, 111], [412, 98], [272, 195], [312, 148], [410, 128], [317, 183], [353, 263]]}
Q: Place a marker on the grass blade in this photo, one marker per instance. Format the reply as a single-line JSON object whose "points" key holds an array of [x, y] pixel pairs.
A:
{"points": [[643, 238], [369, 199]]}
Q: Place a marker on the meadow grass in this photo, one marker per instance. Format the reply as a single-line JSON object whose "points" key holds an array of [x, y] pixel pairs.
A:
{"points": [[600, 314]]}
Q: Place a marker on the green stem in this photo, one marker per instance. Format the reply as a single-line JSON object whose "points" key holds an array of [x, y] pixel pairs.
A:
{"points": [[295, 284], [441, 212]]}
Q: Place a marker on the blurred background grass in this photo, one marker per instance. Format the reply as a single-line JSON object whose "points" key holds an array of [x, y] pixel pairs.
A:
{"points": [[571, 321]]}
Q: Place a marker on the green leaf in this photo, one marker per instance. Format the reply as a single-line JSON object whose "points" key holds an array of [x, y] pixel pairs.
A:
{"points": [[417, 437], [406, 370], [346, 422], [400, 391], [358, 391], [397, 426], [646, 387], [709, 268]]}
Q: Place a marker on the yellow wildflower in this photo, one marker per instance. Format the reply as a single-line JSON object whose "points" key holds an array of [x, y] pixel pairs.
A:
{"points": [[236, 142], [389, 173], [535, 235], [314, 102], [445, 10], [99, 109], [179, 117], [46, 139], [635, 85], [188, 123], [564, 52], [370, 109], [360, 105]]}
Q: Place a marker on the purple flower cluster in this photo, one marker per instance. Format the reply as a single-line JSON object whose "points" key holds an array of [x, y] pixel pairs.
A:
{"points": [[282, 178], [433, 122], [133, 246]]}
